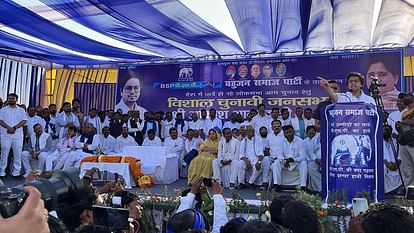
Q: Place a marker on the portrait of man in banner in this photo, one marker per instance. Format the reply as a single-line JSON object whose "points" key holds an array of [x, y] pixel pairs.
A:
{"points": [[255, 71], [231, 72], [129, 86], [281, 70], [243, 71], [267, 70]]}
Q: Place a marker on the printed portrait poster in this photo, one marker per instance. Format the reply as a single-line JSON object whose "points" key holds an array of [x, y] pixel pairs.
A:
{"points": [[240, 85]]}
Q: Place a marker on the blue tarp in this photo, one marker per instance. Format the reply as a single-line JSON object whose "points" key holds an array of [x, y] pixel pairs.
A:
{"points": [[171, 29]]}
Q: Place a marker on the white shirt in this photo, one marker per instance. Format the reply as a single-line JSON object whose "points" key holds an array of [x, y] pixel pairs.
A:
{"points": [[122, 142], [313, 147], [95, 122], [286, 122], [95, 142], [211, 124], [175, 146], [195, 125], [294, 149], [228, 150], [108, 144], [31, 121], [394, 117], [250, 149], [275, 144], [12, 116], [166, 126], [260, 121], [155, 142], [231, 125], [348, 97], [190, 145], [181, 130]]}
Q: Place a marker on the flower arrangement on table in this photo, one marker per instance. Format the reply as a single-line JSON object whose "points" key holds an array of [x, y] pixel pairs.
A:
{"points": [[134, 165]]}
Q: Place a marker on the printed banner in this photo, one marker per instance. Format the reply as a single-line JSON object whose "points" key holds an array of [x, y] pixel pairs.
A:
{"points": [[241, 85], [352, 150]]}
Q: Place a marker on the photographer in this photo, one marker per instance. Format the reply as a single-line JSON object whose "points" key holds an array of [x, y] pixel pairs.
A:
{"points": [[32, 217], [188, 218]]}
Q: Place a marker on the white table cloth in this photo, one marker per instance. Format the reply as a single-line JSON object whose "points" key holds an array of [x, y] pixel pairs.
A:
{"points": [[156, 161]]}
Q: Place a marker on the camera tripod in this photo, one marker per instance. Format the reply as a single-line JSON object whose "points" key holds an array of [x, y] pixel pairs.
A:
{"points": [[375, 93]]}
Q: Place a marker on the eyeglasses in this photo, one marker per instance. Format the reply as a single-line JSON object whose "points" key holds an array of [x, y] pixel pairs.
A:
{"points": [[129, 89], [354, 81]]}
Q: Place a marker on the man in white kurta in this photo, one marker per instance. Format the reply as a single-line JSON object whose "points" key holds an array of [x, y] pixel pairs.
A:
{"points": [[213, 122], [313, 156], [86, 145], [174, 143], [12, 120], [261, 119], [167, 124], [293, 157], [66, 119], [251, 158], [152, 140], [108, 142], [33, 119], [65, 148], [38, 148], [124, 140], [228, 157]]}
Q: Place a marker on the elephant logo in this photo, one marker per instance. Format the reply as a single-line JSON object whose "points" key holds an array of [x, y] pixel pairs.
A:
{"points": [[351, 150], [186, 72]]}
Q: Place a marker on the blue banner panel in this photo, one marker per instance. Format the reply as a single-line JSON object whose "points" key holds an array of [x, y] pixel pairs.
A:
{"points": [[352, 150]]}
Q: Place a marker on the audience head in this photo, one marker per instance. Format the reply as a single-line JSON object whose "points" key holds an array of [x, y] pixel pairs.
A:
{"points": [[233, 226], [276, 126], [179, 116], [31, 111], [234, 117], [300, 217], [387, 132], [263, 131], [212, 134], [102, 115], [106, 131], [190, 134], [67, 107], [334, 86], [39, 111], [310, 131], [185, 220], [116, 116], [289, 132], [212, 113], [249, 131], [409, 100], [125, 132], [258, 226], [92, 112], [275, 113], [12, 99], [46, 113], [235, 132], [173, 133], [299, 112], [308, 113], [37, 128], [277, 206], [196, 134], [194, 116], [169, 116], [227, 134], [53, 109], [203, 113], [261, 109], [76, 103], [285, 113], [388, 218], [151, 134]]}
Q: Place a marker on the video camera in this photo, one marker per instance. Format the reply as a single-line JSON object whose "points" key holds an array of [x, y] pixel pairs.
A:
{"points": [[56, 192]]}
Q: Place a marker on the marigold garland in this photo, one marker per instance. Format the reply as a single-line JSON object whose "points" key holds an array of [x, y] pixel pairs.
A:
{"points": [[134, 163]]}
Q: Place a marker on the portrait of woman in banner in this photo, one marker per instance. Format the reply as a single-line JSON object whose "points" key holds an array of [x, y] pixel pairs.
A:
{"points": [[129, 86], [388, 73]]}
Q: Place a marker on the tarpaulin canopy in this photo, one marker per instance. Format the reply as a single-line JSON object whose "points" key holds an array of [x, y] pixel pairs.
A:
{"points": [[105, 31]]}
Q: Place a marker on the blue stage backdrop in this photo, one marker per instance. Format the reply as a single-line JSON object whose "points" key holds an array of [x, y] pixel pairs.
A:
{"points": [[352, 150], [241, 85]]}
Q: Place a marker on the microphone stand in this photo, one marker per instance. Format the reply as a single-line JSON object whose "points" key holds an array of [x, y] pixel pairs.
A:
{"points": [[374, 89]]}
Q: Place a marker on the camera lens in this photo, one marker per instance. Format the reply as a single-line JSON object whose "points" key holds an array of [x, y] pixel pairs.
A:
{"points": [[60, 188]]}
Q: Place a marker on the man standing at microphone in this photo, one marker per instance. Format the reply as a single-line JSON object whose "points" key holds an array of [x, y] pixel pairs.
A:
{"points": [[355, 82]]}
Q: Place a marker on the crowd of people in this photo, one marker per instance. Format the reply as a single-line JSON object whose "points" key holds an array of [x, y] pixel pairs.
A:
{"points": [[256, 152]]}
